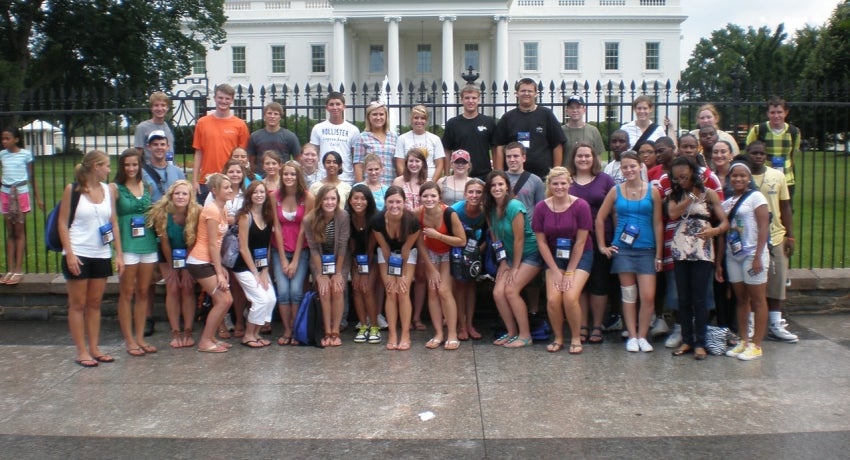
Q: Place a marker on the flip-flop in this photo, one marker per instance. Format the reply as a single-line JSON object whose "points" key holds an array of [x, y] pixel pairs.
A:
{"points": [[137, 352], [149, 349], [213, 349], [433, 343], [554, 347], [403, 346], [452, 344], [284, 341], [104, 359], [248, 344], [15, 278], [223, 344], [86, 362], [391, 346], [575, 349]]}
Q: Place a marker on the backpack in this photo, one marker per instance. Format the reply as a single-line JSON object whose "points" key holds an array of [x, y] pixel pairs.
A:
{"points": [[51, 228], [308, 328], [763, 128]]}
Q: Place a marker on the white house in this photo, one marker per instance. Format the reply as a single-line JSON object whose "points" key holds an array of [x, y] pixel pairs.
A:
{"points": [[345, 41], [41, 137]]}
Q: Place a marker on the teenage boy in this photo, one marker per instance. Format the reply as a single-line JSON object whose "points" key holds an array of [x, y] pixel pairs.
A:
{"points": [[771, 183], [272, 137], [533, 126], [216, 135], [577, 130], [781, 140], [160, 104], [471, 131], [336, 134]]}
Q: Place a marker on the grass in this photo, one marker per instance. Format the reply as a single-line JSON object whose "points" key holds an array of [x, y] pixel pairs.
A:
{"points": [[820, 211]]}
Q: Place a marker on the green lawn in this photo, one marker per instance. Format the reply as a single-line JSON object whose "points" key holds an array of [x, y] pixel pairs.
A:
{"points": [[820, 204]]}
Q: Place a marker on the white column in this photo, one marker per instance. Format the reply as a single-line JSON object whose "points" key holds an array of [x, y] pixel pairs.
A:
{"points": [[501, 70], [393, 65], [448, 58], [338, 74]]}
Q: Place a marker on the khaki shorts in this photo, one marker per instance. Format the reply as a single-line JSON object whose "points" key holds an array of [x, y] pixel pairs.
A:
{"points": [[777, 273]]}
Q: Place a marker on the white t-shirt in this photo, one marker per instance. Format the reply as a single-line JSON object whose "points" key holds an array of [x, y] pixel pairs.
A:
{"points": [[745, 221], [635, 132], [337, 138], [429, 142]]}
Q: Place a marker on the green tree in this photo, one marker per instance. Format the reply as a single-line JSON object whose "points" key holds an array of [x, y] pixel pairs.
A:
{"points": [[829, 61], [103, 45]]}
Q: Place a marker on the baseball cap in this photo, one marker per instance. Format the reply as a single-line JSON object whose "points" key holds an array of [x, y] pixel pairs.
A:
{"points": [[156, 134], [460, 155], [577, 99]]}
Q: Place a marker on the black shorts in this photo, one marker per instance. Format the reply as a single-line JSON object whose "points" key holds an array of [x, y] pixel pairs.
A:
{"points": [[91, 268], [599, 282], [200, 271]]}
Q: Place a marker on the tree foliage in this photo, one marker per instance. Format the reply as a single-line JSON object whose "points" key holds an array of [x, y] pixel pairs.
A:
{"points": [[128, 45], [830, 57]]}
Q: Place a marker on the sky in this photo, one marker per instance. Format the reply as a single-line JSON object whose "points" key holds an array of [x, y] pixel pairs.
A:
{"points": [[706, 16]]}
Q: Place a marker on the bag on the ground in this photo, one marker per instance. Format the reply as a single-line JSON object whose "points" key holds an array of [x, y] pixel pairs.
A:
{"points": [[309, 328], [716, 339], [51, 228], [540, 329]]}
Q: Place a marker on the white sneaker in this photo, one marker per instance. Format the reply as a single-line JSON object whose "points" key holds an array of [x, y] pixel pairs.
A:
{"points": [[382, 322], [777, 331], [632, 345], [734, 352], [659, 327], [644, 345], [752, 352], [674, 340]]}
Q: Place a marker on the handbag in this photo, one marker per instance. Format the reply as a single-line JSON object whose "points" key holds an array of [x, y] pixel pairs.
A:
{"points": [[230, 244], [716, 339]]}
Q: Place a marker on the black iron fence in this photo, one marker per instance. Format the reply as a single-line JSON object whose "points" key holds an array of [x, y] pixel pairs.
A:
{"points": [[59, 127]]}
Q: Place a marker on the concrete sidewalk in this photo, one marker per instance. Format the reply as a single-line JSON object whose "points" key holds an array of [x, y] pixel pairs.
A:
{"points": [[361, 401]]}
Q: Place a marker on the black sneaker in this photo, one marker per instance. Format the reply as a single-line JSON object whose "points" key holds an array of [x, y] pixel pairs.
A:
{"points": [[149, 328]]}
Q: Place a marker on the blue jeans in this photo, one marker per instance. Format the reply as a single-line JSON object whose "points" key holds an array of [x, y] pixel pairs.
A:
{"points": [[290, 290]]}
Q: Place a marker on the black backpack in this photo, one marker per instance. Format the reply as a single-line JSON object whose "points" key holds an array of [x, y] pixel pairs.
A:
{"points": [[51, 228]]}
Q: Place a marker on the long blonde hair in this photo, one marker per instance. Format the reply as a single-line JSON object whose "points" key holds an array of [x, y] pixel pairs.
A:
{"points": [[84, 170], [157, 216]]}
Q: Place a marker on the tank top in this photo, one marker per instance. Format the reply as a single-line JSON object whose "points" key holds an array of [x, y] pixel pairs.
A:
{"points": [[635, 212], [257, 238], [435, 245], [129, 207], [289, 227]]}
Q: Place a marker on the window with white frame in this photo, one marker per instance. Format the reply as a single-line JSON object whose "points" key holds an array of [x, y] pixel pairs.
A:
{"points": [[570, 55], [471, 56], [612, 56], [423, 58], [318, 59], [238, 58], [653, 55], [278, 59], [199, 63], [530, 55], [376, 58]]}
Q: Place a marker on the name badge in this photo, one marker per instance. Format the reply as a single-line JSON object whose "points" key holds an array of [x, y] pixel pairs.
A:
{"points": [[524, 138], [778, 163], [362, 264], [394, 265], [178, 258], [563, 247], [328, 264], [137, 226], [261, 257], [630, 234], [169, 157], [499, 250], [106, 233], [471, 245], [734, 240]]}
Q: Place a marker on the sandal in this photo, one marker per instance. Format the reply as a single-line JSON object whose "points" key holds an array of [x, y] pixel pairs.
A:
{"points": [[576, 349], [137, 352], [188, 341], [403, 346], [433, 343], [335, 340], [503, 339], [91, 362], [150, 349], [518, 342], [176, 340], [14, 279], [554, 347], [104, 359], [683, 350], [266, 329], [700, 354], [391, 346], [452, 344], [584, 334], [284, 341], [596, 336], [326, 340]]}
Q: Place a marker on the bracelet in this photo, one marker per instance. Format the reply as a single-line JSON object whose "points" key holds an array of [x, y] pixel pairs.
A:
{"points": [[569, 273], [658, 261]]}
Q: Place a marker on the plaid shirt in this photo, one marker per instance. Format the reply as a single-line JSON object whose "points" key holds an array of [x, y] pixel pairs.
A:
{"points": [[367, 143], [778, 145]]}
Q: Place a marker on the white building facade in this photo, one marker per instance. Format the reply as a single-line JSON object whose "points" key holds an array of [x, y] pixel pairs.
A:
{"points": [[340, 42]]}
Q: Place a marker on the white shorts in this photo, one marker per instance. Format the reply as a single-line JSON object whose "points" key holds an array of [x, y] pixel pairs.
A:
{"points": [[738, 270], [411, 259], [131, 258]]}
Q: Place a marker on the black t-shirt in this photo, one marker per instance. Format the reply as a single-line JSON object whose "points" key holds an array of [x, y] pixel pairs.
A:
{"points": [[538, 130], [474, 135], [379, 224]]}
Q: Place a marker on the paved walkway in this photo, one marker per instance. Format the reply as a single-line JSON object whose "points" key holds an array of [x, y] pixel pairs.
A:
{"points": [[361, 401]]}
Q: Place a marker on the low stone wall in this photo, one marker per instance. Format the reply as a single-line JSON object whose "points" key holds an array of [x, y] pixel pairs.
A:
{"points": [[44, 296]]}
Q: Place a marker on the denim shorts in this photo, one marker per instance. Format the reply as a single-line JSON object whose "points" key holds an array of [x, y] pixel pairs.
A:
{"points": [[585, 264], [532, 259], [628, 260]]}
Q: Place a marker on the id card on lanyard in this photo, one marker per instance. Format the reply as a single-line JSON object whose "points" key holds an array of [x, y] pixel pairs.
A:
{"points": [[394, 265], [106, 234], [261, 258], [178, 258], [362, 261], [328, 264], [137, 226]]}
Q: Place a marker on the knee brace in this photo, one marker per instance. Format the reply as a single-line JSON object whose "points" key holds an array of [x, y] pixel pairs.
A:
{"points": [[629, 293]]}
